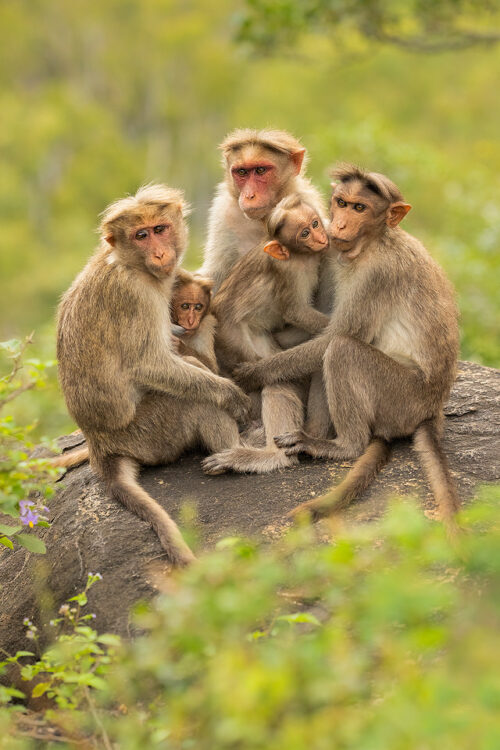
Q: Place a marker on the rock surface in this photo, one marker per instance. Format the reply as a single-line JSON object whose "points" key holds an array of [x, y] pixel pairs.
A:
{"points": [[90, 533]]}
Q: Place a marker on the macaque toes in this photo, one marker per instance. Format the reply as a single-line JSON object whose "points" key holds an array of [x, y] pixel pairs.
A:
{"points": [[388, 356], [191, 312], [135, 400]]}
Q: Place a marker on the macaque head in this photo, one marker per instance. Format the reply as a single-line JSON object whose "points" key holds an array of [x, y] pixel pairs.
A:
{"points": [[295, 227], [362, 205], [260, 167], [190, 300], [147, 231]]}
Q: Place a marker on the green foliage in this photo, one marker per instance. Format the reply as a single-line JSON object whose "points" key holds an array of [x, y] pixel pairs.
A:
{"points": [[383, 640], [77, 660], [22, 478], [421, 25]]}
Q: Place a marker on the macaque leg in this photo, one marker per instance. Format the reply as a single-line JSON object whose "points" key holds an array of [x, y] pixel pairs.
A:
{"points": [[218, 430], [368, 394], [318, 423], [281, 407]]}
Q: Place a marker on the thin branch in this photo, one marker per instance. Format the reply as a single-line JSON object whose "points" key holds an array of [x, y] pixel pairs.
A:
{"points": [[422, 43], [16, 393]]}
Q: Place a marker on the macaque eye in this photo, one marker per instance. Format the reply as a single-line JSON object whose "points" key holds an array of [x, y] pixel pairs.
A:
{"points": [[359, 207], [305, 233], [141, 234], [260, 170], [341, 203], [159, 228], [242, 172], [198, 306], [315, 224], [185, 306]]}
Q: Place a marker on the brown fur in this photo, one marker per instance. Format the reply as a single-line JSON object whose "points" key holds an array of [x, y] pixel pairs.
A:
{"points": [[263, 292], [199, 344], [233, 233], [390, 350], [135, 400]]}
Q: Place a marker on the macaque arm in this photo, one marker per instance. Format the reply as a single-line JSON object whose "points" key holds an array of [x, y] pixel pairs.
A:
{"points": [[307, 318], [292, 364], [176, 377]]}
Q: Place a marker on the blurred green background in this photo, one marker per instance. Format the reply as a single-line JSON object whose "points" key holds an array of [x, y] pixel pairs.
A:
{"points": [[99, 97]]}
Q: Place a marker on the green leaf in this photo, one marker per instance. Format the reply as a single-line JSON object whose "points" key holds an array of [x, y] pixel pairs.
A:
{"points": [[108, 639], [9, 530], [40, 689], [32, 543], [300, 617], [6, 542]]}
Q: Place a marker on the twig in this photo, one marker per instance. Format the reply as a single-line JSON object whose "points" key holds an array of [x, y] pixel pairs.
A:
{"points": [[97, 719]]}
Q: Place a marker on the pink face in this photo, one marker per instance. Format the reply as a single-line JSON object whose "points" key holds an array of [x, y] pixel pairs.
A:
{"points": [[157, 245], [257, 183]]}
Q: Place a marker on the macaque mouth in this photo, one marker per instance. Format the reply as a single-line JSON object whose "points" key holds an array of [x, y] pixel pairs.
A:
{"points": [[178, 330], [341, 241]]}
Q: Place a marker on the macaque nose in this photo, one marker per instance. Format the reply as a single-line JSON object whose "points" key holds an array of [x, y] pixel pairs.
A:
{"points": [[191, 318]]}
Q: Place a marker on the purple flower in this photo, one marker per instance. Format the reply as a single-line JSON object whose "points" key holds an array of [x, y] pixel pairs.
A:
{"points": [[30, 518], [24, 505]]}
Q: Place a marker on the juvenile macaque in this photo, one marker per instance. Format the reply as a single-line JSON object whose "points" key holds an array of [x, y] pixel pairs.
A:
{"points": [[389, 353], [191, 311], [273, 285], [136, 401]]}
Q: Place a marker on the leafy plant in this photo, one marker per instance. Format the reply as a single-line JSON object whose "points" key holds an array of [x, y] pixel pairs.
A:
{"points": [[382, 640], [24, 480]]}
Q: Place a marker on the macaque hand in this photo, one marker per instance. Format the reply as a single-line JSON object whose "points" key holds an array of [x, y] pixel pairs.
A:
{"points": [[293, 443], [247, 375], [237, 403]]}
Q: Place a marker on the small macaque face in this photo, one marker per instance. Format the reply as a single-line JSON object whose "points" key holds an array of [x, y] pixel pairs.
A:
{"points": [[304, 232], [258, 175], [189, 306], [295, 230], [156, 245]]}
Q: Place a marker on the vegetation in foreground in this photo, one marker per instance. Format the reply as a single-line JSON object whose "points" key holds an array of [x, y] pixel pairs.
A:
{"points": [[384, 639]]}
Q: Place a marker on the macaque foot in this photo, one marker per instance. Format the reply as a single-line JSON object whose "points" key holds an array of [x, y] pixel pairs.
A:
{"points": [[247, 460], [298, 442]]}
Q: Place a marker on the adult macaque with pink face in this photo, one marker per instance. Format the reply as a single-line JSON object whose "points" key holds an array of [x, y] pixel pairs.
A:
{"points": [[261, 168]]}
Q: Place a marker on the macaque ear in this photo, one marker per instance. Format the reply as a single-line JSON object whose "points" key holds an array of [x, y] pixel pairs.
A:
{"points": [[111, 240], [396, 213], [276, 250], [297, 159]]}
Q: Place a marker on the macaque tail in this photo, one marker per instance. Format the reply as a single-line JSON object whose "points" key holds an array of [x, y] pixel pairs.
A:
{"points": [[120, 475], [435, 465], [71, 458], [357, 480]]}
